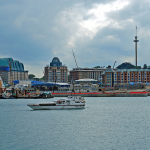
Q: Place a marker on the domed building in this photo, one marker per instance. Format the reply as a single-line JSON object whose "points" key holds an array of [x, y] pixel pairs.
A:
{"points": [[11, 70], [56, 62], [56, 72]]}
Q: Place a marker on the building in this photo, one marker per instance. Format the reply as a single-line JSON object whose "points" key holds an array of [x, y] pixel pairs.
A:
{"points": [[132, 75], [11, 70], [131, 78], [82, 73], [108, 77], [56, 72]]}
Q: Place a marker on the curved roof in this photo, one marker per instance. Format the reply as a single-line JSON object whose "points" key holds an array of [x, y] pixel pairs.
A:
{"points": [[126, 65], [56, 62], [13, 65], [4, 62], [17, 64], [21, 67]]}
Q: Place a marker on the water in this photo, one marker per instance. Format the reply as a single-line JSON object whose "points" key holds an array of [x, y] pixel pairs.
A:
{"points": [[106, 123]]}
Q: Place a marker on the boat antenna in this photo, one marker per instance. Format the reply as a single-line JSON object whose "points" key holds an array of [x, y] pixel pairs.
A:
{"points": [[75, 59]]}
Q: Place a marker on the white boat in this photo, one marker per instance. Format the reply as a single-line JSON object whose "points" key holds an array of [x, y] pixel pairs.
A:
{"points": [[71, 102]]}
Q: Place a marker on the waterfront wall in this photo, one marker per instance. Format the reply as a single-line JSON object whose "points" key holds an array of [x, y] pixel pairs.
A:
{"points": [[131, 94]]}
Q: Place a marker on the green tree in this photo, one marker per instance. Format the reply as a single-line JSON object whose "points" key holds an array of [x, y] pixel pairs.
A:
{"points": [[97, 67], [42, 79], [31, 76]]}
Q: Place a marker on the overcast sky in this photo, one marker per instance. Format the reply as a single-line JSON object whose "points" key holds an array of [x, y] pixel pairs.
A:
{"points": [[99, 32]]}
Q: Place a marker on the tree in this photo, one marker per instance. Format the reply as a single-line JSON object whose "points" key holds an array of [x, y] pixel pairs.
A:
{"points": [[31, 76], [42, 79], [97, 67], [145, 66]]}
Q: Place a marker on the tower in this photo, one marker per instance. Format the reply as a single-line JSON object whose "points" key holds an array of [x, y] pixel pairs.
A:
{"points": [[136, 47]]}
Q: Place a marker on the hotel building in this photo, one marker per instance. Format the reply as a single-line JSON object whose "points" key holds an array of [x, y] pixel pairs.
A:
{"points": [[11, 70], [126, 76], [56, 72]]}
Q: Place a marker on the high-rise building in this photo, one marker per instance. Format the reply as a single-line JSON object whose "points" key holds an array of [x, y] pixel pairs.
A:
{"points": [[11, 70], [56, 72]]}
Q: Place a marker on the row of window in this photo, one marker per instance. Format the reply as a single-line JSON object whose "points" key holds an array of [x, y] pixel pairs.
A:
{"points": [[133, 74], [128, 85]]}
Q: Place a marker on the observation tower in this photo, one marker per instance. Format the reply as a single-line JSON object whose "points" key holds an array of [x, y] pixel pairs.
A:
{"points": [[136, 47]]}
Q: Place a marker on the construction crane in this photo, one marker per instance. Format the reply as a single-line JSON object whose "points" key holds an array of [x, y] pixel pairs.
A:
{"points": [[75, 59]]}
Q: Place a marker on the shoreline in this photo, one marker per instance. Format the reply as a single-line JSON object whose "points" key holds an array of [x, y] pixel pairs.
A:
{"points": [[110, 94]]}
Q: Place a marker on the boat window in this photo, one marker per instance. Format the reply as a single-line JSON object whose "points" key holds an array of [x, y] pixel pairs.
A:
{"points": [[48, 104]]}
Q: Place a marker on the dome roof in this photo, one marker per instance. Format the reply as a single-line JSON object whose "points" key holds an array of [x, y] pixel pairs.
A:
{"points": [[4, 62], [126, 65], [56, 62]]}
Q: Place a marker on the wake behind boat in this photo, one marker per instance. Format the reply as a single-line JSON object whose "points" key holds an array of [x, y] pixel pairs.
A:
{"points": [[71, 102]]}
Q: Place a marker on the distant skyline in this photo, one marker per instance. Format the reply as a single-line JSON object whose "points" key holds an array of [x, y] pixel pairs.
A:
{"points": [[99, 32]]}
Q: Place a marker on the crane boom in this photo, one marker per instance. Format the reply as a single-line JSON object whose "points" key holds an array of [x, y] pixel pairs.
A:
{"points": [[75, 59]]}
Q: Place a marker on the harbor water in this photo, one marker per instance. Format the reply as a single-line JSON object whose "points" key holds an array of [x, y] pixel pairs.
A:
{"points": [[106, 123]]}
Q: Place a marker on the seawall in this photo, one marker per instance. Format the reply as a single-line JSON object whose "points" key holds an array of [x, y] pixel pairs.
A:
{"points": [[131, 94]]}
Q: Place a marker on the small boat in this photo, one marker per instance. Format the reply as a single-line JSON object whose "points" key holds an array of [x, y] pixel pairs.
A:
{"points": [[71, 102]]}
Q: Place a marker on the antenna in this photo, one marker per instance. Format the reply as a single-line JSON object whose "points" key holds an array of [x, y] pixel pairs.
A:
{"points": [[74, 58], [136, 30]]}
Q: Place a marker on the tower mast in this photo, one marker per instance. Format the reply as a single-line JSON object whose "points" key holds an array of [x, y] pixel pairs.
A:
{"points": [[136, 47]]}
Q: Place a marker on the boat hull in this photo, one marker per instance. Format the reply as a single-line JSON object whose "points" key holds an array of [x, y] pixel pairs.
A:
{"points": [[37, 107]]}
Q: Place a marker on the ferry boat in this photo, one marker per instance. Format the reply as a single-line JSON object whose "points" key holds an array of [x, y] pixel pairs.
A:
{"points": [[71, 102]]}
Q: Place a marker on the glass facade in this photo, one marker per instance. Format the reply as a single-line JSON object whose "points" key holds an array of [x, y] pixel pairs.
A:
{"points": [[56, 62], [11, 70]]}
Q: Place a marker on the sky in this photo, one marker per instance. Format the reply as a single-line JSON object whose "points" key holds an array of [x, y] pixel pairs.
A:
{"points": [[99, 32]]}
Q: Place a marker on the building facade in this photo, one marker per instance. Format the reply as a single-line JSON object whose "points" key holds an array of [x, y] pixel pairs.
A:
{"points": [[82, 73], [108, 77], [11, 70], [132, 75], [131, 78], [56, 72]]}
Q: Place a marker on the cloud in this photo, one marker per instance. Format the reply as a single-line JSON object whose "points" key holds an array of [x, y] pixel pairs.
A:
{"points": [[99, 32]]}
